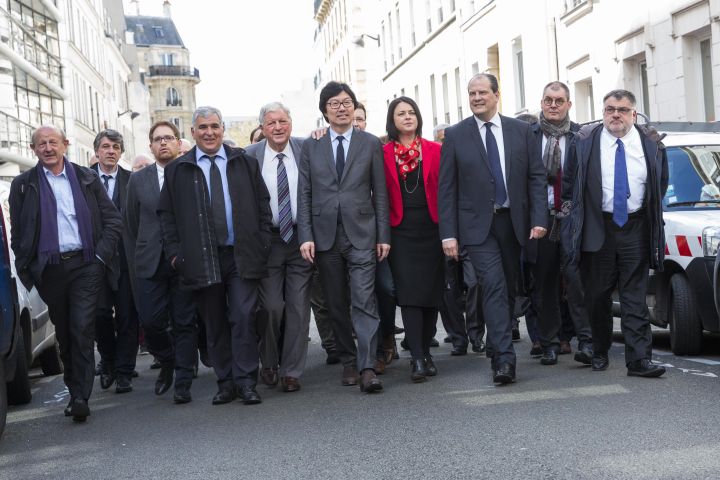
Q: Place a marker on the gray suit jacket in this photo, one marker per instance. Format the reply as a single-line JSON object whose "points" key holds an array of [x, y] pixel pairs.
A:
{"points": [[142, 225], [360, 196], [257, 150]]}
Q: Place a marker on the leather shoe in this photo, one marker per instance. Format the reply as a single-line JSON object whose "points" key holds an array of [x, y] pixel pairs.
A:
{"points": [[504, 373], [584, 354], [515, 334], [123, 384], [249, 395], [165, 379], [434, 343], [457, 351], [224, 395], [269, 377], [478, 346], [430, 368], [536, 350], [107, 379], [380, 366], [155, 364], [549, 356], [349, 376], [565, 347], [290, 384], [404, 344], [398, 330], [182, 395], [600, 362], [418, 373], [79, 410], [644, 368], [332, 357], [369, 383], [447, 339]]}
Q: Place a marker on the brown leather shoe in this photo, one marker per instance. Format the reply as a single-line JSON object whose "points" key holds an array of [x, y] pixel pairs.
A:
{"points": [[388, 348], [565, 348], [269, 377], [380, 366], [290, 384], [369, 383], [349, 376]]}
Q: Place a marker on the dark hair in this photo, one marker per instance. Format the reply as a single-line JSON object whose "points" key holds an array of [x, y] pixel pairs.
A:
{"points": [[556, 85], [491, 78], [112, 135], [252, 134], [360, 106], [527, 117], [619, 94], [331, 90], [164, 123], [392, 131]]}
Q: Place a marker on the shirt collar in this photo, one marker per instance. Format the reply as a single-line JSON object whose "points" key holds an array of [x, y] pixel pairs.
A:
{"points": [[287, 151], [347, 135], [220, 153], [61, 174], [111, 175], [630, 137], [495, 120]]}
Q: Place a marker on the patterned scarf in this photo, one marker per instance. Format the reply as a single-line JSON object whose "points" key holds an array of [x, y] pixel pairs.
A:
{"points": [[552, 155], [408, 158]]}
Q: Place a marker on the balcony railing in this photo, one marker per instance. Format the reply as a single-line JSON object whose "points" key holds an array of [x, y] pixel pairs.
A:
{"points": [[172, 71], [15, 135]]}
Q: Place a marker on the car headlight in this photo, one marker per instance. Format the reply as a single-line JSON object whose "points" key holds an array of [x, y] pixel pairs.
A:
{"points": [[710, 241]]}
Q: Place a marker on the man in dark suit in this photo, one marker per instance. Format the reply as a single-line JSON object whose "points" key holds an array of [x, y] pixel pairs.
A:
{"points": [[64, 232], [161, 301], [618, 179], [116, 326], [215, 217], [343, 224], [285, 293], [554, 135], [492, 188]]}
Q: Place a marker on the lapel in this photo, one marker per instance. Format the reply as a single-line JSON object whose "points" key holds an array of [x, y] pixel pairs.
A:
{"points": [[296, 148], [594, 162], [473, 131], [326, 149], [152, 178], [260, 152], [507, 145], [116, 190], [351, 153]]}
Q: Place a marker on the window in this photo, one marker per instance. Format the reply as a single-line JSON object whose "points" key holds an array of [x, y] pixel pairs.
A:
{"points": [[413, 40], [458, 94], [446, 98], [399, 35], [428, 15], [519, 73], [167, 59], [158, 30], [707, 80], [432, 99], [644, 89], [584, 101], [417, 94], [172, 98]]}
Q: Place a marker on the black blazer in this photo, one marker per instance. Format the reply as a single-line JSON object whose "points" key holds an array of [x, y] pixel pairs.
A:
{"points": [[142, 226], [466, 189]]}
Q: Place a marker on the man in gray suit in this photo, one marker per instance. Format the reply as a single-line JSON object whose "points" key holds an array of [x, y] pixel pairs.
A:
{"points": [[285, 293], [343, 216], [160, 298]]}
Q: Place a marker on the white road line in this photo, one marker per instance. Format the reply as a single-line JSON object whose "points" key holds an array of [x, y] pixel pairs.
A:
{"points": [[540, 395], [704, 361]]}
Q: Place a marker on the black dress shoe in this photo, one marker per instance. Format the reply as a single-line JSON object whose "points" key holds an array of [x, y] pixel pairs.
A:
{"points": [[504, 373], [457, 351], [249, 395], [106, 380], [68, 409], [165, 379], [434, 343], [549, 356], [404, 344], [418, 373], [224, 395], [447, 339], [478, 346], [182, 395], [332, 357], [584, 354], [398, 330], [515, 334], [155, 364], [600, 362], [124, 384], [79, 410], [536, 350], [430, 368], [644, 368]]}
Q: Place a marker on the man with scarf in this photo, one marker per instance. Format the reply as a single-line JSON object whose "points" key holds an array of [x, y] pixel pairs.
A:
{"points": [[555, 134], [64, 231]]}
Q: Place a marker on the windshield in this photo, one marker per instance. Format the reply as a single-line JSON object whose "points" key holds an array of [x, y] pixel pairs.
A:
{"points": [[694, 178]]}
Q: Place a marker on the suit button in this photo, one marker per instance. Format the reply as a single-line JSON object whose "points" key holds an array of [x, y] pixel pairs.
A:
{"points": [[492, 180]]}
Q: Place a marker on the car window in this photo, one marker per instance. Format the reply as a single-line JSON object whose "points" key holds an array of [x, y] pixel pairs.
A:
{"points": [[694, 178]]}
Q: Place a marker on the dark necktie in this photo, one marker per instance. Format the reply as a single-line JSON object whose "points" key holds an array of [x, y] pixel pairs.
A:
{"points": [[106, 182], [557, 189], [621, 190], [340, 157], [284, 207], [494, 158], [217, 202]]}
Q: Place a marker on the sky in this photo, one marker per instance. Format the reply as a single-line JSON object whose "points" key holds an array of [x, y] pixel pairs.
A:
{"points": [[248, 52]]}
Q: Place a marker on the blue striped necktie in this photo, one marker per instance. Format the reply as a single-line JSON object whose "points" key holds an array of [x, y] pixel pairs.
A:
{"points": [[284, 207], [621, 190]]}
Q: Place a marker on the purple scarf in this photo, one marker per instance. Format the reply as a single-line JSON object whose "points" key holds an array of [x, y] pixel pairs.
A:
{"points": [[49, 244]]}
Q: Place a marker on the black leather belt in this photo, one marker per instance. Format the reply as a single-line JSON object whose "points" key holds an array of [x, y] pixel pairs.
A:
{"points": [[70, 254], [497, 210], [637, 213]]}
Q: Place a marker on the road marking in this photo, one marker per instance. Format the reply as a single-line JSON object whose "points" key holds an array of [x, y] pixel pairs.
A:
{"points": [[536, 395], [661, 353], [691, 371], [47, 379], [704, 361], [37, 413]]}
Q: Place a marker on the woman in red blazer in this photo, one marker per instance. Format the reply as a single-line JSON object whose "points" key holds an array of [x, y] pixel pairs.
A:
{"points": [[412, 167]]}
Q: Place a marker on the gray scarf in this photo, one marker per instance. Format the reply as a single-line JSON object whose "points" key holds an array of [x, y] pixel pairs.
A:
{"points": [[552, 155]]}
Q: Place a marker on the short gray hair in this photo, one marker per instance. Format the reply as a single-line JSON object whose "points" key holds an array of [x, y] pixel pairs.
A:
{"points": [[272, 107], [48, 127], [438, 128], [206, 112]]}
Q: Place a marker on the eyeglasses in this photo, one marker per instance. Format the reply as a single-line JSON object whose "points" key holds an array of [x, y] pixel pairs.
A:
{"points": [[548, 102], [620, 110], [335, 104], [164, 138]]}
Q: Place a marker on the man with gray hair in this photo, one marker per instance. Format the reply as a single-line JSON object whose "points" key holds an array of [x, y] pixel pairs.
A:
{"points": [[285, 293], [215, 218], [439, 132]]}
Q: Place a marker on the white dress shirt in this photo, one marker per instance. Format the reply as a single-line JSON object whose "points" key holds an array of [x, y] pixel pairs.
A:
{"points": [[636, 169], [498, 133], [161, 175], [551, 188], [221, 161], [269, 173], [346, 143], [111, 181]]}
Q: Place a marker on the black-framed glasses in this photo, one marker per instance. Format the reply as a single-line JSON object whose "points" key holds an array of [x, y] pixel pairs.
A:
{"points": [[164, 138], [548, 102], [335, 104], [620, 110]]}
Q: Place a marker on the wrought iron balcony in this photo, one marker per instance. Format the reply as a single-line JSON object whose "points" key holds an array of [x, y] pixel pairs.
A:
{"points": [[172, 71]]}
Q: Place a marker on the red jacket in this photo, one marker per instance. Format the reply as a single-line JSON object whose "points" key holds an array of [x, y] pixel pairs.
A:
{"points": [[430, 170]]}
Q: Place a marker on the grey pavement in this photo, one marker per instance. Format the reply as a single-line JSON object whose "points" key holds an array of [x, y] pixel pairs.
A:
{"points": [[556, 422]]}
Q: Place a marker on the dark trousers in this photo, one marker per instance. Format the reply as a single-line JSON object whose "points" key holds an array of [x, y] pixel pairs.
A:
{"points": [[168, 317], [320, 312], [461, 295], [385, 294], [116, 327], [622, 262], [335, 265], [285, 298], [71, 290], [228, 311], [420, 328], [497, 264]]}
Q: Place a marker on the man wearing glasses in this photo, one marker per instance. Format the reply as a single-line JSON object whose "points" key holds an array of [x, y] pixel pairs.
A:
{"points": [[554, 134], [160, 298], [616, 181], [344, 226]]}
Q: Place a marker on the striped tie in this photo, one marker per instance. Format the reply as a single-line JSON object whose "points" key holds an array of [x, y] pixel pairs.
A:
{"points": [[284, 208]]}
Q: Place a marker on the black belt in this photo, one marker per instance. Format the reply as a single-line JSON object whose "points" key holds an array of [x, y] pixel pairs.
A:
{"points": [[224, 248], [497, 210], [70, 254], [277, 230], [637, 213]]}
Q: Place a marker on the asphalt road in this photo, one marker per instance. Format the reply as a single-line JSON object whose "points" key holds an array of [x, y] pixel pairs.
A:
{"points": [[556, 422]]}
